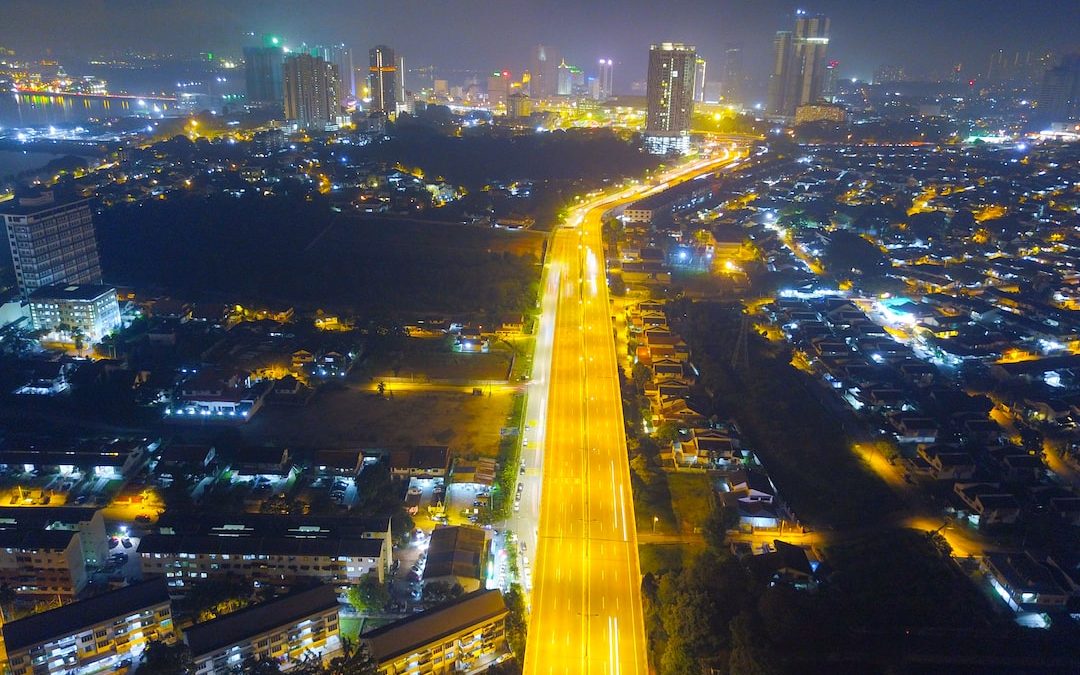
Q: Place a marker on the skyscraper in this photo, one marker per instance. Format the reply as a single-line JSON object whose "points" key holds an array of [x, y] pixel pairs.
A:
{"points": [[699, 79], [1059, 95], [51, 242], [262, 72], [498, 88], [341, 56], [564, 80], [543, 76], [311, 90], [733, 76], [828, 87], [605, 79], [670, 97], [383, 80], [798, 72]]}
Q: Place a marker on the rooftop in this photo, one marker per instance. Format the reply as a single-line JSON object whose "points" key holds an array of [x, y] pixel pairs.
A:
{"points": [[411, 634], [72, 292], [76, 616]]}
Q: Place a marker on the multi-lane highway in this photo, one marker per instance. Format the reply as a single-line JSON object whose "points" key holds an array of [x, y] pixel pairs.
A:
{"points": [[586, 611]]}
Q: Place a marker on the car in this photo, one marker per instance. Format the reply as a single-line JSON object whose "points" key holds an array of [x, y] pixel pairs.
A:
{"points": [[113, 542], [142, 518], [81, 499], [126, 542], [521, 471], [524, 547]]}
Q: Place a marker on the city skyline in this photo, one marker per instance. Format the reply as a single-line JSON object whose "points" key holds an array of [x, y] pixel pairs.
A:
{"points": [[451, 38]]}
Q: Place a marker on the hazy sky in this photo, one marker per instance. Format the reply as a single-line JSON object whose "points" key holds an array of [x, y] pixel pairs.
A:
{"points": [[483, 34]]}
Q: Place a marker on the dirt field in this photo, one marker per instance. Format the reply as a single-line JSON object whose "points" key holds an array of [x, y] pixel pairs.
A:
{"points": [[423, 365], [470, 425]]}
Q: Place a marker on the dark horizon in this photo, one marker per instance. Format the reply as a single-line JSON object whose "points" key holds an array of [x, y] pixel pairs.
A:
{"points": [[925, 37]]}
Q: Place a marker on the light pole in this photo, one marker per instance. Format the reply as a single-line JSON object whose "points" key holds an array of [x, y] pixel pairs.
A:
{"points": [[655, 519]]}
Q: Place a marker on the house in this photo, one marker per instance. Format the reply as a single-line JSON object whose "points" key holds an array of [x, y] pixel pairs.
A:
{"points": [[750, 486], [284, 630], [947, 463], [682, 411], [1025, 583], [93, 634], [180, 456], [462, 636], [457, 555], [338, 462], [913, 428], [44, 377], [425, 461], [262, 461], [989, 502], [1024, 468], [787, 564]]}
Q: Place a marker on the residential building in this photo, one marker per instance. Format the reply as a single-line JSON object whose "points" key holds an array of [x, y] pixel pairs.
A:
{"points": [[1024, 583], [52, 242], [340, 56], [798, 72], [88, 523], [267, 549], [425, 461], [311, 87], [734, 76], [466, 635], [1059, 97], [42, 562], [670, 97], [76, 309], [91, 634], [699, 79], [285, 630], [263, 75], [457, 555], [383, 80]]}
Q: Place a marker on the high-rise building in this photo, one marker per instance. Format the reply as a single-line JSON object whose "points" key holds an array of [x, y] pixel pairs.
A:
{"points": [[518, 106], [543, 71], [311, 91], [733, 76], [605, 79], [51, 242], [889, 72], [340, 56], [402, 97], [798, 72], [699, 79], [828, 88], [1059, 96], [498, 85], [670, 97], [383, 79], [262, 72], [564, 80]]}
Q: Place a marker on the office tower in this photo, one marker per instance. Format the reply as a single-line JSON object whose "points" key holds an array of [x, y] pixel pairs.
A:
{"points": [[340, 56], [699, 79], [262, 72], [605, 79], [1059, 96], [670, 97], [52, 242], [498, 86], [519, 106], [564, 79], [311, 91], [798, 72], [543, 71], [828, 88], [732, 77], [383, 80]]}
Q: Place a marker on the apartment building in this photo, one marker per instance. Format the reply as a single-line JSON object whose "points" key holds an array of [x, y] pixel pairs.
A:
{"points": [[46, 562], [284, 630], [93, 634]]}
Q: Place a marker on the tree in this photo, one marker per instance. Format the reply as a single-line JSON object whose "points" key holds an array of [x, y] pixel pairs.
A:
{"points": [[517, 624], [381, 388], [163, 659], [370, 595], [7, 599], [256, 666], [640, 375], [438, 592], [354, 660], [668, 432], [748, 657]]}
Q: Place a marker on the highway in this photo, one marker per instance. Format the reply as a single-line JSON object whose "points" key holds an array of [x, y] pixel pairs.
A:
{"points": [[586, 614]]}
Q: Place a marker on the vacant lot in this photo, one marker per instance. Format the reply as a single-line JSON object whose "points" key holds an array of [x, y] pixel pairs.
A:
{"points": [[357, 417], [422, 360], [690, 499]]}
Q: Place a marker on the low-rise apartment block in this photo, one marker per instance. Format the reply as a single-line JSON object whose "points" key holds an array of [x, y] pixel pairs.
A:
{"points": [[46, 562], [466, 635], [284, 630], [93, 634]]}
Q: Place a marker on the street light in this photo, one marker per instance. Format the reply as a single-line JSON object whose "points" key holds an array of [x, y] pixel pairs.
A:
{"points": [[655, 519]]}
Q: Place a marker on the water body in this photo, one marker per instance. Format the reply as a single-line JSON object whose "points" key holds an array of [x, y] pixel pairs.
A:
{"points": [[42, 110], [13, 162]]}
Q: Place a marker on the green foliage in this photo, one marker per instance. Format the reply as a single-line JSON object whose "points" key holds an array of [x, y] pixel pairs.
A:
{"points": [[370, 595], [439, 592], [162, 659], [517, 623], [509, 462], [847, 255]]}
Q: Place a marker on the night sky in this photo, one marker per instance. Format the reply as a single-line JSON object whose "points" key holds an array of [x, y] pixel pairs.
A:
{"points": [[923, 35]]}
